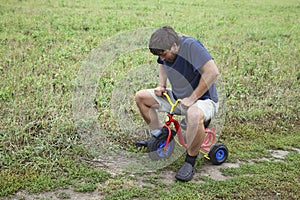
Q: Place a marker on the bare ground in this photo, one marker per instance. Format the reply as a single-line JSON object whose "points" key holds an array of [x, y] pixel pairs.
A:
{"points": [[167, 177]]}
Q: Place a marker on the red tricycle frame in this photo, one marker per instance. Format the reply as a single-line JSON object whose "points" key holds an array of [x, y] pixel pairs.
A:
{"points": [[208, 141]]}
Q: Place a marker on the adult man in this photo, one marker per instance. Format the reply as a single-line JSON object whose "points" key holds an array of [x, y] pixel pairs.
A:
{"points": [[191, 71]]}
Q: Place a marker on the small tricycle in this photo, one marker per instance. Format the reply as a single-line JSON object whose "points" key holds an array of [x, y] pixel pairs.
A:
{"points": [[162, 143]]}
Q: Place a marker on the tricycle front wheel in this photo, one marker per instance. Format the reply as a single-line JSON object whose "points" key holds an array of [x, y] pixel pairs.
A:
{"points": [[156, 147]]}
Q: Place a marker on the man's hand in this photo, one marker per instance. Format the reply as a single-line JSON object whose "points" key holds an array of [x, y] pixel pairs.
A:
{"points": [[159, 91], [187, 102]]}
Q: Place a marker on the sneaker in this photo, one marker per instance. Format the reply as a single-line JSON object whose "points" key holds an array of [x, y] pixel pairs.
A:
{"points": [[186, 172], [143, 143]]}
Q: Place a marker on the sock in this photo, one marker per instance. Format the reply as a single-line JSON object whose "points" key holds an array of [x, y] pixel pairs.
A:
{"points": [[190, 159]]}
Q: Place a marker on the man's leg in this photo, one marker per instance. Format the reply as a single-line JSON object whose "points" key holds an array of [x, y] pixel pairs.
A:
{"points": [[147, 105], [201, 111], [195, 130], [194, 135]]}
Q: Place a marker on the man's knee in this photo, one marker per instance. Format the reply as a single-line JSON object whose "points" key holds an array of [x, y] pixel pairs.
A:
{"points": [[195, 115], [141, 96], [138, 96], [144, 97]]}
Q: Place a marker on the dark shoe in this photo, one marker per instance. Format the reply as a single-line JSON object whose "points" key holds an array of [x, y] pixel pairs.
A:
{"points": [[186, 172], [143, 143]]}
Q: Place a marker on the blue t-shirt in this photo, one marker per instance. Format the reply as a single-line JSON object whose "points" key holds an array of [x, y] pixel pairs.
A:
{"points": [[184, 73]]}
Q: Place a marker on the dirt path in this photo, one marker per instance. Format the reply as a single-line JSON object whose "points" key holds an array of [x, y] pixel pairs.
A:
{"points": [[209, 170]]}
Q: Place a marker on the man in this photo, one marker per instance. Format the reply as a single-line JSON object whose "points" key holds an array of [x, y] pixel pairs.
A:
{"points": [[191, 71]]}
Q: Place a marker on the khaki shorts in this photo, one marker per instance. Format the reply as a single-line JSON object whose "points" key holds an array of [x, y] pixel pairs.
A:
{"points": [[208, 106]]}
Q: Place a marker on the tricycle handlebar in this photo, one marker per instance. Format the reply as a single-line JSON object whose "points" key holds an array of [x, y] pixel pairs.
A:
{"points": [[173, 105]]}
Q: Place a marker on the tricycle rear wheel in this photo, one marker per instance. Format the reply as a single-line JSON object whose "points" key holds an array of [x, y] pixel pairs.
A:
{"points": [[218, 154]]}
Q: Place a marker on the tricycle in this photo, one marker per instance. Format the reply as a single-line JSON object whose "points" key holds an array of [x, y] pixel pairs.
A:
{"points": [[162, 143]]}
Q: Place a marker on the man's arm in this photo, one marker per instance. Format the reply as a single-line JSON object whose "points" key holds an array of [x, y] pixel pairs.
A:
{"points": [[162, 81], [209, 73], [162, 76]]}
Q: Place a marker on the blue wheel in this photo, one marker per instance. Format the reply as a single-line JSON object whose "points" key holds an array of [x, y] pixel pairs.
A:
{"points": [[156, 147], [161, 152], [218, 154]]}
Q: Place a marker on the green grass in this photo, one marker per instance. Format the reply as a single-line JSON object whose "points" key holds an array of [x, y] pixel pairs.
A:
{"points": [[44, 43]]}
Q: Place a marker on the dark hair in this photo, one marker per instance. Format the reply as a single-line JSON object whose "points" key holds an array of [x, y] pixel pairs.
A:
{"points": [[163, 39]]}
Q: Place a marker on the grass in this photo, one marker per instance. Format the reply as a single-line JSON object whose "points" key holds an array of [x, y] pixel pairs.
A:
{"points": [[44, 43]]}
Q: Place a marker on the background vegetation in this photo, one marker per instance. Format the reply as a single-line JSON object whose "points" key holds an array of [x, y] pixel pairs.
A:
{"points": [[42, 47]]}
